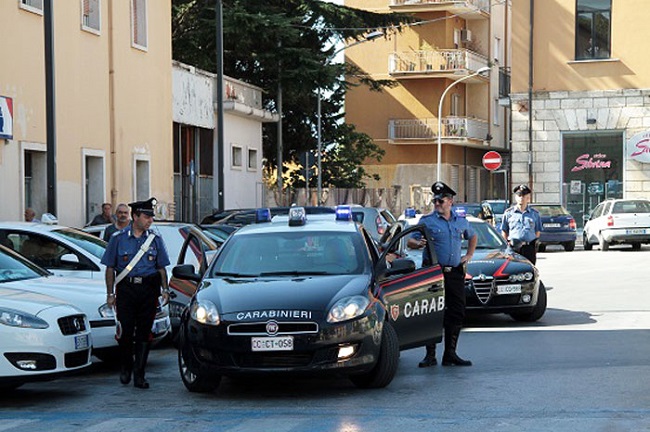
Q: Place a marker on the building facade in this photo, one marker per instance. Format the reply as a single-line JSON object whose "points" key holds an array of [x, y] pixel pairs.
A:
{"points": [[196, 154], [581, 116], [113, 106], [435, 66]]}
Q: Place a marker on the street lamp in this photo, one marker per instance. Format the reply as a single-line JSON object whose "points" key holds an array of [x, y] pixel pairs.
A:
{"points": [[370, 36], [442, 98]]}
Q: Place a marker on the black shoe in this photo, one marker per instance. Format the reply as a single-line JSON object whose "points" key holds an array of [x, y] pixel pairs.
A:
{"points": [[141, 354], [430, 358], [140, 382], [452, 359], [125, 375]]}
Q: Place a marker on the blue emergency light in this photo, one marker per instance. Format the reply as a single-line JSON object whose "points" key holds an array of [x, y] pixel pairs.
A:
{"points": [[343, 213], [460, 211], [297, 216], [409, 213], [262, 215]]}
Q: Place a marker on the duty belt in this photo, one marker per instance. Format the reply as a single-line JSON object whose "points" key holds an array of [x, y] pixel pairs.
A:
{"points": [[449, 269]]}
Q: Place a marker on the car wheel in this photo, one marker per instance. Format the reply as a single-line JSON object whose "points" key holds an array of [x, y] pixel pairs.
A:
{"points": [[539, 309], [569, 246], [636, 246], [585, 243], [541, 248], [604, 246], [386, 368], [196, 383]]}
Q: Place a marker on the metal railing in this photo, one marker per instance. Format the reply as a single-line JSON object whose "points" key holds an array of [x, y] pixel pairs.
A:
{"points": [[241, 92], [426, 129], [482, 5], [441, 60], [504, 82]]}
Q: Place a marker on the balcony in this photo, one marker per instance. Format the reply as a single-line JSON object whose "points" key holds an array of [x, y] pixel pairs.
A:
{"points": [[245, 100], [442, 63], [455, 130], [466, 9]]}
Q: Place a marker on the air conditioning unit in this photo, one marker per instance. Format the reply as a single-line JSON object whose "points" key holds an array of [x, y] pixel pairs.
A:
{"points": [[465, 35]]}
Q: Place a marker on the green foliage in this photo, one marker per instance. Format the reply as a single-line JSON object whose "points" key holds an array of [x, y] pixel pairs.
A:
{"points": [[290, 42]]}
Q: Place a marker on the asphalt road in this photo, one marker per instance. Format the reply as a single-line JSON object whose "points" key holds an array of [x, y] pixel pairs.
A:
{"points": [[583, 367]]}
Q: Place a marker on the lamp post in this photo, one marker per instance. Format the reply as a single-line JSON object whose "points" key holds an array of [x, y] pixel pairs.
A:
{"points": [[442, 98], [370, 36]]}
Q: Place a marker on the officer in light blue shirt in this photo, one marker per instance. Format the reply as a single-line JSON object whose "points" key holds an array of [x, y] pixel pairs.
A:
{"points": [[447, 230], [522, 225]]}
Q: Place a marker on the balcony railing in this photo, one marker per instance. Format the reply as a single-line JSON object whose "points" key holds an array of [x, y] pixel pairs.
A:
{"points": [[454, 6], [238, 91], [453, 128], [435, 62], [504, 82]]}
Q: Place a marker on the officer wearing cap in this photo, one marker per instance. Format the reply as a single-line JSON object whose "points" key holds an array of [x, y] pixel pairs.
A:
{"points": [[447, 229], [521, 224], [135, 296]]}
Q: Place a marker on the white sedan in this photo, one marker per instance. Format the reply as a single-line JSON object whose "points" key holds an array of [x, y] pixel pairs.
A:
{"points": [[88, 295], [42, 338]]}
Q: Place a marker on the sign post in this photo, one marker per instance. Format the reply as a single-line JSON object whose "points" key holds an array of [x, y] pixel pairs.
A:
{"points": [[492, 160]]}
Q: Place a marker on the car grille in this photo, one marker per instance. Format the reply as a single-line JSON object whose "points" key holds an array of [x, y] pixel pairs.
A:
{"points": [[284, 328], [76, 359], [72, 324], [482, 288], [272, 360]]}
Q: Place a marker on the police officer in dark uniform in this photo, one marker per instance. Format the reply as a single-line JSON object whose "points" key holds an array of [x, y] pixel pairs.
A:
{"points": [[136, 296], [447, 229], [522, 225]]}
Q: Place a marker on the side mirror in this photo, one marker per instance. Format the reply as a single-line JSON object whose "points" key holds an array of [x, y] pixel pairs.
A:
{"points": [[70, 259], [186, 272], [399, 266]]}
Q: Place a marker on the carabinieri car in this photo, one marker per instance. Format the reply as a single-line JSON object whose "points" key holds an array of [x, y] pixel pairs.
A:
{"points": [[497, 280], [307, 294]]}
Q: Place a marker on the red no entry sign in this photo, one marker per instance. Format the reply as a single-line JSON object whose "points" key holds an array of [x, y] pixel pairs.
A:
{"points": [[492, 160]]}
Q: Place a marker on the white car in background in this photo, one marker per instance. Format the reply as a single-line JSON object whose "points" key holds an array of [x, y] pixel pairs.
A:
{"points": [[42, 338], [618, 221], [88, 295]]}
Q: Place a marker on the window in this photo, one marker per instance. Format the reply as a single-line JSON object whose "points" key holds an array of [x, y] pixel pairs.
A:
{"points": [[139, 23], [90, 18], [252, 159], [236, 160], [593, 29], [495, 112], [497, 49], [32, 5]]}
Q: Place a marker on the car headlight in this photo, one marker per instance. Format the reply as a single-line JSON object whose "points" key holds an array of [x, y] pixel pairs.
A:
{"points": [[15, 318], [106, 311], [205, 312], [347, 308], [520, 277]]}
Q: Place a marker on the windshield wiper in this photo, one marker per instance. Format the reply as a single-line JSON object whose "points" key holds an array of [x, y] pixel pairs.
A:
{"points": [[234, 274], [294, 273]]}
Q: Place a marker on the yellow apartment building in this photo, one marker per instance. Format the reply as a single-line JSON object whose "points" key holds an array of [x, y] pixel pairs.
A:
{"points": [[435, 66], [113, 99], [581, 114]]}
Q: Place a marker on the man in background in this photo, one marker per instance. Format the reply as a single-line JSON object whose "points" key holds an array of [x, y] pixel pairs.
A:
{"points": [[105, 217], [123, 220]]}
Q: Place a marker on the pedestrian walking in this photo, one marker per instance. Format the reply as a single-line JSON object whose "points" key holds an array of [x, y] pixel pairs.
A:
{"points": [[447, 230], [122, 221], [135, 261], [522, 224], [105, 217]]}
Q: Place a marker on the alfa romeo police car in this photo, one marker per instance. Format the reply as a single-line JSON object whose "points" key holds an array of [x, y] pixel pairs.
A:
{"points": [[307, 294]]}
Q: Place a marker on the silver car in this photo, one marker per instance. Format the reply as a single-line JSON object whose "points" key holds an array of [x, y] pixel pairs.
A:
{"points": [[618, 221]]}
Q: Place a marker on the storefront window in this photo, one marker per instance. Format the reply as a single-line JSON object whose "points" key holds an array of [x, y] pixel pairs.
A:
{"points": [[592, 171]]}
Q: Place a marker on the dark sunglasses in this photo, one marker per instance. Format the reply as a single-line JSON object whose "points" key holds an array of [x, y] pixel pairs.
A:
{"points": [[439, 200]]}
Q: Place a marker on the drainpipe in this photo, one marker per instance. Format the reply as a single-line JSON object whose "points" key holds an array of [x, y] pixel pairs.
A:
{"points": [[50, 105], [530, 94], [111, 106]]}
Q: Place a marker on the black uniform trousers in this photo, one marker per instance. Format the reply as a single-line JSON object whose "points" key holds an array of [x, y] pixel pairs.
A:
{"points": [[529, 251], [136, 303], [454, 296]]}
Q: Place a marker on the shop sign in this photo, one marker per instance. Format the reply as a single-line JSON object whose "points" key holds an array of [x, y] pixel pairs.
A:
{"points": [[6, 118], [638, 147], [586, 162]]}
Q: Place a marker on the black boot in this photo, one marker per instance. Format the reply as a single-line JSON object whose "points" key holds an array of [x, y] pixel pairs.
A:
{"points": [[450, 358], [141, 354], [126, 360], [430, 358]]}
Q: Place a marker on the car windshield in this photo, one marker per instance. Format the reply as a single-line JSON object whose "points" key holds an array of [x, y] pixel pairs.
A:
{"points": [[15, 268], [551, 210], [488, 237], [498, 207], [85, 241], [292, 253], [636, 206], [174, 236], [471, 209]]}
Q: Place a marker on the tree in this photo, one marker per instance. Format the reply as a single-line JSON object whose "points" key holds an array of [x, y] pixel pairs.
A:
{"points": [[289, 41]]}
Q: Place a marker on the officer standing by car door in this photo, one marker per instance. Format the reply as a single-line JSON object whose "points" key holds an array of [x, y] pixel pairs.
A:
{"points": [[522, 225], [135, 261], [447, 229]]}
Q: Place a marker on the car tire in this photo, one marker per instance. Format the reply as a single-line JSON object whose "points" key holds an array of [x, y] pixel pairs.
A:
{"points": [[539, 309], [541, 248], [636, 246], [569, 246], [585, 243], [604, 246], [196, 383], [386, 368]]}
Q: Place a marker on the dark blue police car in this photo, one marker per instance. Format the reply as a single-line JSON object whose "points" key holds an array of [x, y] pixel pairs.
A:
{"points": [[307, 294]]}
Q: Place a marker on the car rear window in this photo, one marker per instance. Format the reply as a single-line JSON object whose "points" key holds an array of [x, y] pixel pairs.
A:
{"points": [[549, 210], [631, 207]]}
